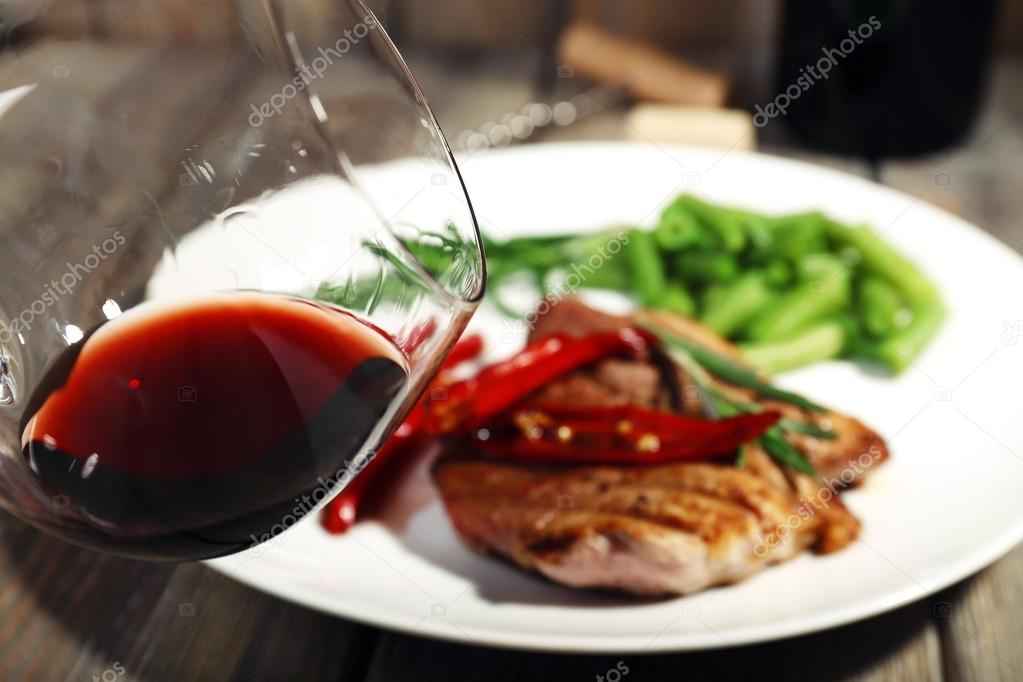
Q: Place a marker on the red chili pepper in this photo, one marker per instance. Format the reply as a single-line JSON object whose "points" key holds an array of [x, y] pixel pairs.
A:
{"points": [[468, 348], [502, 385], [419, 335], [619, 435], [342, 511]]}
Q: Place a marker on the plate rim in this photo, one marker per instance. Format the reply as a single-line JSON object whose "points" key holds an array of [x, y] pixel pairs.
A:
{"points": [[471, 635]]}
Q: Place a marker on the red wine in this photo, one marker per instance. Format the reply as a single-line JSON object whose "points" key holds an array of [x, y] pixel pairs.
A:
{"points": [[192, 430]]}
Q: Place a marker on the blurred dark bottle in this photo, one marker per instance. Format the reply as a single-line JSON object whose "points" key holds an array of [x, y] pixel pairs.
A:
{"points": [[903, 77]]}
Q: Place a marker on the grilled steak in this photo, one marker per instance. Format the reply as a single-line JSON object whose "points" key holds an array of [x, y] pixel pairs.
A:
{"points": [[652, 530], [668, 529]]}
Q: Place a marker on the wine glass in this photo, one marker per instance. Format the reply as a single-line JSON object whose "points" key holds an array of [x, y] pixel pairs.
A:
{"points": [[225, 279]]}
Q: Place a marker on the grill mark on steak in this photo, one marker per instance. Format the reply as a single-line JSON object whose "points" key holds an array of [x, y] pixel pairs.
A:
{"points": [[552, 545], [561, 526]]}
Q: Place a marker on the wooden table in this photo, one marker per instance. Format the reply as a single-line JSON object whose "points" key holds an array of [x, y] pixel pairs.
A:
{"points": [[71, 614]]}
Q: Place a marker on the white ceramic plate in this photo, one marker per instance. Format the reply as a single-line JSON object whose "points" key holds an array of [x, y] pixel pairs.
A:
{"points": [[947, 503]]}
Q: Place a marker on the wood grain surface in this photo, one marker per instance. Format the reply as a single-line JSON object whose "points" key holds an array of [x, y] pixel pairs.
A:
{"points": [[71, 614]]}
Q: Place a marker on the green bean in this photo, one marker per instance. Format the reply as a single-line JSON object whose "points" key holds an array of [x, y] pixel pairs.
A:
{"points": [[712, 295], [802, 310], [790, 312], [741, 301], [799, 234], [596, 264], [825, 291], [827, 269], [901, 348], [777, 272], [706, 267], [879, 306], [677, 300], [807, 222], [756, 226], [677, 229], [729, 264], [611, 275], [880, 258], [774, 313], [821, 341], [748, 216], [728, 228], [645, 266]]}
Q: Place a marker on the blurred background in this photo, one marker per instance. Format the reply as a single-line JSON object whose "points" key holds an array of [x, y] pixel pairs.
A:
{"points": [[931, 78], [740, 53]]}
